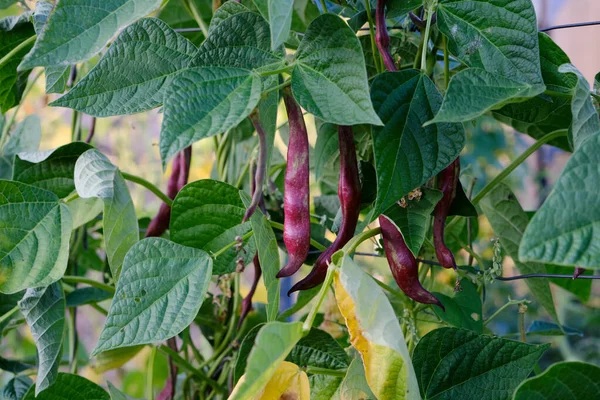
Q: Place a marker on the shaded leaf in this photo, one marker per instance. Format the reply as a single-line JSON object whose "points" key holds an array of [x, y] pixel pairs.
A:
{"points": [[26, 136], [543, 328], [464, 309], [16, 388], [319, 349], [70, 386], [44, 311], [565, 380], [354, 385], [96, 176], [86, 295], [161, 289], [84, 210], [65, 43], [134, 73], [35, 230]]}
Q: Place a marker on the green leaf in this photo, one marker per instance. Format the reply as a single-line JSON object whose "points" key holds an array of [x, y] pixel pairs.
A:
{"points": [[25, 138], [413, 220], [273, 343], [354, 385], [509, 221], [565, 380], [70, 386], [241, 40], [227, 10], [280, 21], [457, 363], [319, 349], [86, 295], [84, 210], [96, 176], [65, 43], [398, 8], [544, 113], [245, 348], [585, 117], [564, 231], [6, 3], [543, 328], [207, 215], [35, 230], [374, 331], [268, 255], [407, 154], [13, 32], [16, 388], [501, 50], [464, 309], [115, 394], [44, 311], [329, 78], [268, 107], [51, 170], [134, 73], [203, 102], [56, 76], [403, 51], [161, 289], [12, 366], [326, 149]]}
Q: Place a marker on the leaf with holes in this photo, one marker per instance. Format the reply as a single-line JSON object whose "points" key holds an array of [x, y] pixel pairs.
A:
{"points": [[207, 215], [35, 230], [161, 289], [407, 154], [96, 176], [456, 363], [44, 311], [134, 73], [329, 78], [64, 43]]}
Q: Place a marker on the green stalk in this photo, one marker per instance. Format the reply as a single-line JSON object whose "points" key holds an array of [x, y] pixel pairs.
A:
{"points": [[230, 245], [326, 371], [6, 316], [183, 364], [324, 5], [150, 374], [320, 298], [430, 13], [504, 307], [280, 86], [446, 63], [91, 282], [358, 239], [191, 7], [151, 187], [4, 60], [376, 56]]}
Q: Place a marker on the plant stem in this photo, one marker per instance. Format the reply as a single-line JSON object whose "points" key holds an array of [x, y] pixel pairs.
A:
{"points": [[6, 316], [91, 282], [191, 7], [150, 374], [358, 239], [504, 307], [320, 298], [280, 86], [326, 371], [518, 161], [230, 245], [183, 364], [287, 68], [141, 181], [4, 60], [522, 326], [376, 57], [313, 242], [430, 12], [240, 180], [446, 63], [324, 6], [232, 317]]}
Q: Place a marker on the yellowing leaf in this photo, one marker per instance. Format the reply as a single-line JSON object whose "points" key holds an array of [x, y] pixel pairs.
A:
{"points": [[288, 382], [375, 333]]}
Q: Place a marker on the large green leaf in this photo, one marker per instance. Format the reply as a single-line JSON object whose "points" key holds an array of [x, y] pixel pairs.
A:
{"points": [[96, 176], [207, 215], [564, 231], [413, 220], [374, 331], [273, 343], [564, 380], [509, 221], [268, 255], [68, 386], [16, 388], [330, 78], [57, 76], [13, 32], [407, 154], [134, 73], [501, 49], [457, 363], [242, 40], [203, 102], [161, 289], [585, 117], [464, 309], [227, 10], [44, 311], [34, 237], [280, 21], [544, 113], [64, 43], [51, 170]]}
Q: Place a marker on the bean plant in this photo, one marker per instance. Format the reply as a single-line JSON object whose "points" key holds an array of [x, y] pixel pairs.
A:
{"points": [[337, 128]]}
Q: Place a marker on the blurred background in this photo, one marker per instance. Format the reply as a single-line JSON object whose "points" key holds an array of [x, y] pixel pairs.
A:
{"points": [[131, 142]]}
